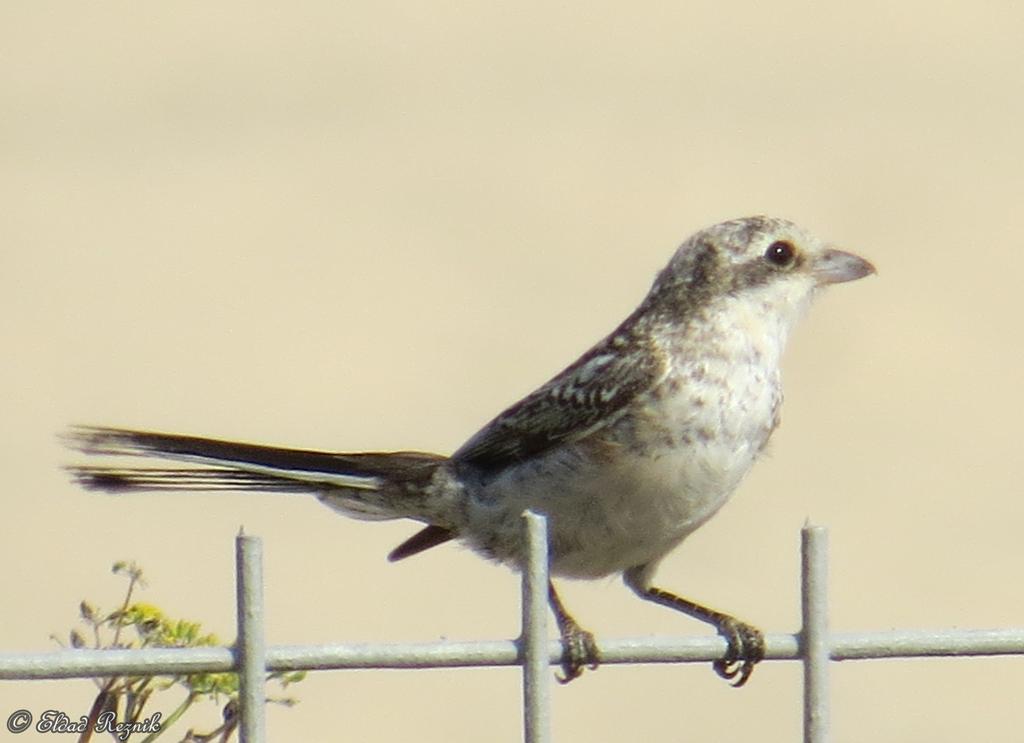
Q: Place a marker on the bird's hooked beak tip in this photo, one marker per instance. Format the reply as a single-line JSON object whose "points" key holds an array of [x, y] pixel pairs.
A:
{"points": [[837, 266]]}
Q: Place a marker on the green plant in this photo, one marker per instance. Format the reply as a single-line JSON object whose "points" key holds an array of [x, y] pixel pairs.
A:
{"points": [[119, 706]]}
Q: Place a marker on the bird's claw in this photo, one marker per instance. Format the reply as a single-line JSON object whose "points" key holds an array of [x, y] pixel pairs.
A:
{"points": [[579, 651], [745, 650]]}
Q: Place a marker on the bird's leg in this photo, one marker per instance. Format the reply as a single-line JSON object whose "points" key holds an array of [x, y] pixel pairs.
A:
{"points": [[579, 649], [745, 642]]}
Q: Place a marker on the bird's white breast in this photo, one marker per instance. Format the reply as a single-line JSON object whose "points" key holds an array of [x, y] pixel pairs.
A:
{"points": [[628, 493]]}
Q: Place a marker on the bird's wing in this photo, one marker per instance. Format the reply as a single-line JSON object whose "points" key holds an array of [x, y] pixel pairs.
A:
{"points": [[588, 395]]}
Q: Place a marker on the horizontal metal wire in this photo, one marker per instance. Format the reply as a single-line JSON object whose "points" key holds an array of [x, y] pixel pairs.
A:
{"points": [[814, 646], [86, 663]]}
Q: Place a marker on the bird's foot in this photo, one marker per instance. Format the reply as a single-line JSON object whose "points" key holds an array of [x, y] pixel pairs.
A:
{"points": [[746, 649], [579, 651]]}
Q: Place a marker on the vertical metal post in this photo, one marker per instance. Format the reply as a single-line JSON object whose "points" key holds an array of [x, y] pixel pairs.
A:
{"points": [[814, 638], [534, 636], [250, 650]]}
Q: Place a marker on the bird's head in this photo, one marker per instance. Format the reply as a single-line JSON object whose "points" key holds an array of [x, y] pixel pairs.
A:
{"points": [[766, 264]]}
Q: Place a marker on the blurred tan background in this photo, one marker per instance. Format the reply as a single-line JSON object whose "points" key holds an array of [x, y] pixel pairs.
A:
{"points": [[373, 225]]}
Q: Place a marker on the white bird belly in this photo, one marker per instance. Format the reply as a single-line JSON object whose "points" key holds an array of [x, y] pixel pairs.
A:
{"points": [[628, 494]]}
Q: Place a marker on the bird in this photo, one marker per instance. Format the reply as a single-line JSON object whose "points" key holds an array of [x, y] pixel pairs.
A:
{"points": [[626, 452]]}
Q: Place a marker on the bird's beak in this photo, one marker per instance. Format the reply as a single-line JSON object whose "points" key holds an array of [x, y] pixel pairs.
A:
{"points": [[836, 266]]}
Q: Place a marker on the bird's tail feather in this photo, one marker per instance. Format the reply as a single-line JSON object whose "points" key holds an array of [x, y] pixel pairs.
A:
{"points": [[366, 485]]}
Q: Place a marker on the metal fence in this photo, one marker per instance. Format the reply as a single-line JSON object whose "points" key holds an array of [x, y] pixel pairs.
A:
{"points": [[814, 646]]}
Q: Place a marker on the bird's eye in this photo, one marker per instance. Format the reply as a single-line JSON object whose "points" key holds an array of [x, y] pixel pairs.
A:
{"points": [[780, 253]]}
